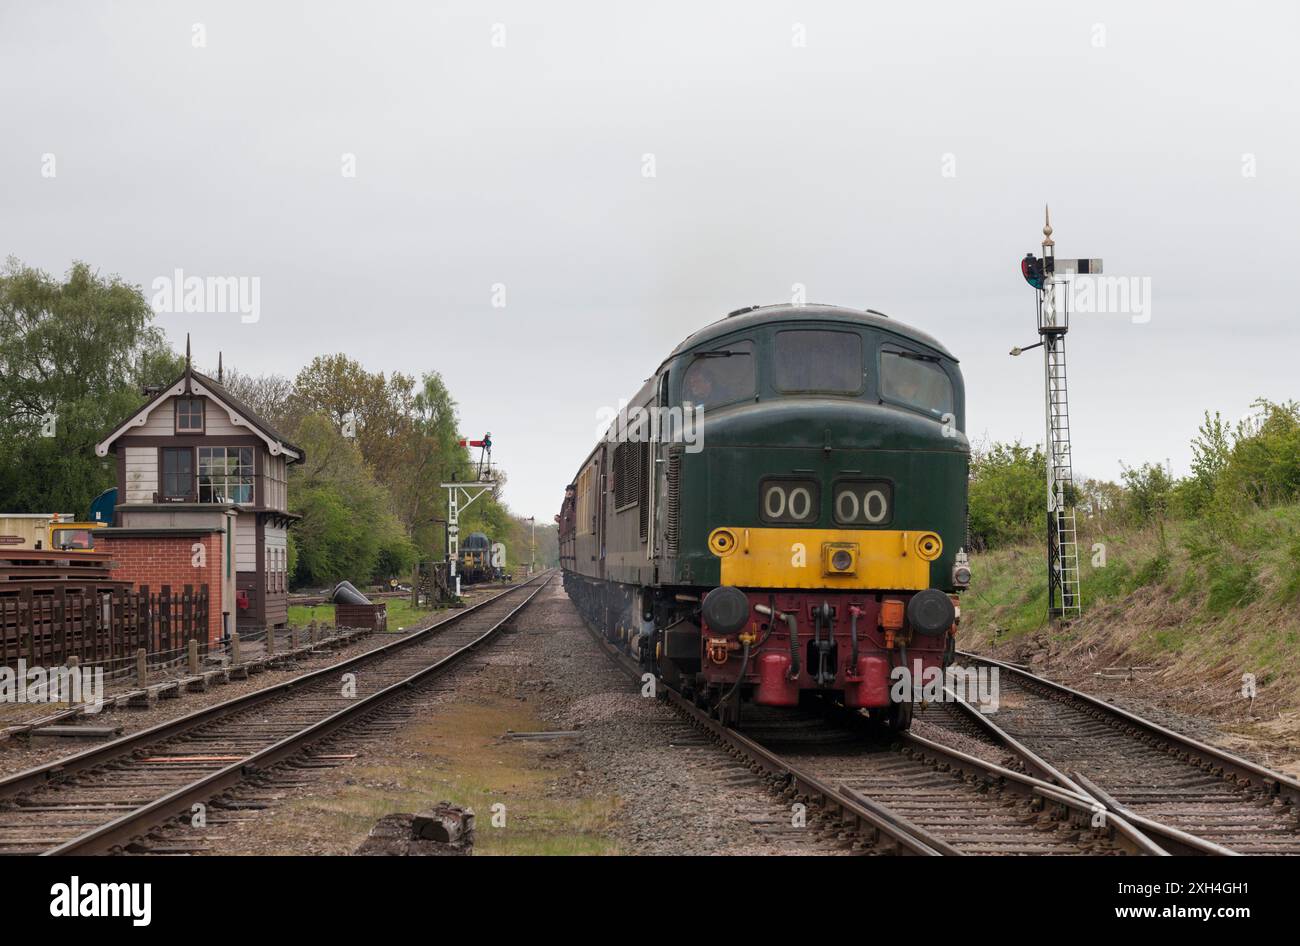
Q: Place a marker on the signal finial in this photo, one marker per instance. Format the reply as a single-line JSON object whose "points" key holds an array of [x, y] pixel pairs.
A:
{"points": [[1047, 226]]}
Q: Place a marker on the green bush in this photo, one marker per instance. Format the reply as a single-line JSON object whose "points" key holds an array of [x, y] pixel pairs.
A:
{"points": [[1154, 571], [397, 557], [1211, 448], [1290, 589], [1264, 463], [1149, 491], [1110, 582], [1232, 583], [1007, 495]]}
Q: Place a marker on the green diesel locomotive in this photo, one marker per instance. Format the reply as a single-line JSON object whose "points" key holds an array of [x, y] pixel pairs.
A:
{"points": [[780, 511]]}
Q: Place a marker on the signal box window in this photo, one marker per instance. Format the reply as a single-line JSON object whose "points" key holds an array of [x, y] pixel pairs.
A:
{"points": [[178, 473], [818, 361], [189, 415], [721, 376], [226, 475], [915, 381]]}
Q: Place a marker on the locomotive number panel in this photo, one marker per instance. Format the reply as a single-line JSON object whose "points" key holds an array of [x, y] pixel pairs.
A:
{"points": [[789, 501], [863, 502]]}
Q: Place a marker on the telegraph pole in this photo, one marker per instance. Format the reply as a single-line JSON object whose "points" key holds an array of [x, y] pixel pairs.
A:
{"points": [[532, 555], [1051, 278]]}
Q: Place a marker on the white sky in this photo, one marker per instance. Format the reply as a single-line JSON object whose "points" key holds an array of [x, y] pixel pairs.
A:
{"points": [[776, 164]]}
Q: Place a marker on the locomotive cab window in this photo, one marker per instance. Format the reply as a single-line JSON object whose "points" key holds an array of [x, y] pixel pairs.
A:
{"points": [[721, 376], [916, 381], [818, 361]]}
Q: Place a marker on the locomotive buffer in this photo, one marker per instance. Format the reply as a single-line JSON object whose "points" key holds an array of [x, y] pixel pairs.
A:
{"points": [[1051, 277]]}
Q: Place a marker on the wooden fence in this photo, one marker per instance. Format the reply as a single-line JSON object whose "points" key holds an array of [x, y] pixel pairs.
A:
{"points": [[99, 623]]}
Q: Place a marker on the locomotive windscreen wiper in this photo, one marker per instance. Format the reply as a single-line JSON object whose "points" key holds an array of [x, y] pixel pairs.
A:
{"points": [[720, 354], [915, 356]]}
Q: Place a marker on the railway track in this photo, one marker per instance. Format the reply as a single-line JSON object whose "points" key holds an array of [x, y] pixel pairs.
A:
{"points": [[908, 794], [1187, 796], [957, 803], [107, 798]]}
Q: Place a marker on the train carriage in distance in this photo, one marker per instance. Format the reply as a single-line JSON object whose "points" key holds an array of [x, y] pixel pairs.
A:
{"points": [[780, 512]]}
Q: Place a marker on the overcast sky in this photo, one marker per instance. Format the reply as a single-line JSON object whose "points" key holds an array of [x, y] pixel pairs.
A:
{"points": [[893, 156]]}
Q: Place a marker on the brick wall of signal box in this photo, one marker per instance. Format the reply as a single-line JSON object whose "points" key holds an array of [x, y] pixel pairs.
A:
{"points": [[156, 561]]}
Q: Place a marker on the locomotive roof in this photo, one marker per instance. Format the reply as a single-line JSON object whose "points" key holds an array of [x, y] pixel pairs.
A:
{"points": [[760, 315]]}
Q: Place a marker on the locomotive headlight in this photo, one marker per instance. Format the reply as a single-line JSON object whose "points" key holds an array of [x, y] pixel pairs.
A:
{"points": [[839, 558]]}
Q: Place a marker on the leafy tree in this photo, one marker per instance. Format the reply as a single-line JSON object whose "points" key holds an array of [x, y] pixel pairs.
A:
{"points": [[432, 456], [1211, 450], [332, 545], [1264, 464], [1150, 488], [348, 529], [378, 408], [269, 395], [520, 543], [77, 352], [1008, 494], [1101, 501]]}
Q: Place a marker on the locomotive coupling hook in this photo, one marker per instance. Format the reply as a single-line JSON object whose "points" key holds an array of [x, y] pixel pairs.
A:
{"points": [[823, 616]]}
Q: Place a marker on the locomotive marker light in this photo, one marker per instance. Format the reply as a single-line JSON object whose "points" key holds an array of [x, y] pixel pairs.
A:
{"points": [[1045, 276]]}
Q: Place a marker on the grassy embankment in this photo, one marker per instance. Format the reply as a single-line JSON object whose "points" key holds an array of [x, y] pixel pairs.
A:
{"points": [[1197, 606]]}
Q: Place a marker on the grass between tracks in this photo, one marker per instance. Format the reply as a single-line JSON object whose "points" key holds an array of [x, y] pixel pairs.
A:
{"points": [[401, 613], [458, 755]]}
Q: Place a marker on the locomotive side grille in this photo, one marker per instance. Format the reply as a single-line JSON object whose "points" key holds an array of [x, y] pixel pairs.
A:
{"points": [[643, 484], [627, 475], [671, 505], [620, 475]]}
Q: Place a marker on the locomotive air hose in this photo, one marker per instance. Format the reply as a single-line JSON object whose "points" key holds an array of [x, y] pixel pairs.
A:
{"points": [[853, 635], [744, 665], [902, 653], [793, 624]]}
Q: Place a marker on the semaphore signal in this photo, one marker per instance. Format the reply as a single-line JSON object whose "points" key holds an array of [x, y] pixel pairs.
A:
{"points": [[1047, 275], [461, 496]]}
